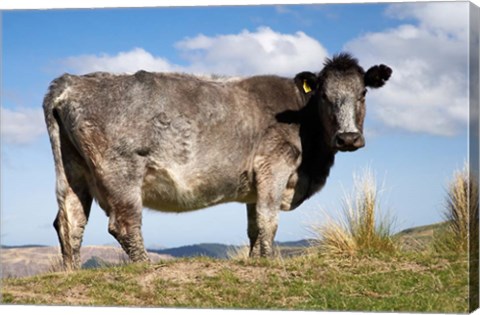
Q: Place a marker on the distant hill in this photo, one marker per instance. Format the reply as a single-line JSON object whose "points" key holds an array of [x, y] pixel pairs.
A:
{"points": [[21, 246], [213, 250], [29, 260], [221, 251], [420, 237], [300, 243], [94, 262], [22, 261]]}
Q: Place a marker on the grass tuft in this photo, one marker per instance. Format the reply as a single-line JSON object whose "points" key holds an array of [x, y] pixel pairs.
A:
{"points": [[460, 212], [360, 229], [238, 252], [56, 264]]}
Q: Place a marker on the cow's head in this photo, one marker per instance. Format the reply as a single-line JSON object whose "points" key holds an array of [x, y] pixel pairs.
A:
{"points": [[339, 93]]}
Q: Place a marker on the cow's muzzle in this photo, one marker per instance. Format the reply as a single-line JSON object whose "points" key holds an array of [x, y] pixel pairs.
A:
{"points": [[349, 141]]}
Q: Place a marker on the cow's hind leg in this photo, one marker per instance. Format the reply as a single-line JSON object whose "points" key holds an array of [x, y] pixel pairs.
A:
{"points": [[73, 197], [74, 202], [253, 230]]}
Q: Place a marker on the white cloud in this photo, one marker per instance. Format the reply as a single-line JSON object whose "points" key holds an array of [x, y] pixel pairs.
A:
{"points": [[123, 62], [261, 52], [246, 53], [449, 17], [21, 126], [428, 91], [282, 9]]}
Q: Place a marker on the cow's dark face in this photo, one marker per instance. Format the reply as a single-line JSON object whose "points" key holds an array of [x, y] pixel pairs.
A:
{"points": [[339, 93]]}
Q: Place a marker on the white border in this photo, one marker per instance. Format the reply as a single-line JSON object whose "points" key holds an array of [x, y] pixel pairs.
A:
{"points": [[62, 4], [79, 4]]}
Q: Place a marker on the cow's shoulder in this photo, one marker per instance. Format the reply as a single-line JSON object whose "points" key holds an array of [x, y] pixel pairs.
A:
{"points": [[272, 93]]}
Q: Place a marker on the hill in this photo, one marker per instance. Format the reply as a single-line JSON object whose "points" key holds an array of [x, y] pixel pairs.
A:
{"points": [[206, 249], [407, 283], [419, 238], [222, 251], [28, 261], [416, 279]]}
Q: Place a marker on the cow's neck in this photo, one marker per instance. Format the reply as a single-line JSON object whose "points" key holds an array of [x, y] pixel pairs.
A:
{"points": [[318, 157]]}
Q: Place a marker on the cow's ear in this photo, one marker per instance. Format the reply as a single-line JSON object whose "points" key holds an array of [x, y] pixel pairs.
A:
{"points": [[377, 75], [306, 82]]}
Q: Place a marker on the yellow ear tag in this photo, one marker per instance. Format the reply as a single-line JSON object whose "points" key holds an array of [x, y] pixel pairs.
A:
{"points": [[306, 87]]}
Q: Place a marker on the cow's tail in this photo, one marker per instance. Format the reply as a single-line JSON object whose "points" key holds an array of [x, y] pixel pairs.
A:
{"points": [[50, 105]]}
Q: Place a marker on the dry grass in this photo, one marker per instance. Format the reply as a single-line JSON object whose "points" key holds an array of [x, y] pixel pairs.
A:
{"points": [[242, 252], [461, 212], [239, 253], [360, 229], [56, 264]]}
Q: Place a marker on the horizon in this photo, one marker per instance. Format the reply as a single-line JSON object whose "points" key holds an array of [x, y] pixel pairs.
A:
{"points": [[416, 126]]}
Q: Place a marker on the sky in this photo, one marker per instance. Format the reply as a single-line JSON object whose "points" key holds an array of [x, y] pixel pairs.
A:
{"points": [[416, 126]]}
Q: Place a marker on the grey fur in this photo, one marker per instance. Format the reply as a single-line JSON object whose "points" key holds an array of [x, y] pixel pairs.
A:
{"points": [[176, 142]]}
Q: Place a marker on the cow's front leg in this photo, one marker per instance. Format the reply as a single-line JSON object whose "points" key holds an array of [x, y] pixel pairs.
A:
{"points": [[125, 222], [267, 222], [272, 174]]}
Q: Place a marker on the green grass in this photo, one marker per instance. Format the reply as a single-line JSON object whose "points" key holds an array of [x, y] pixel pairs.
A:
{"points": [[414, 282]]}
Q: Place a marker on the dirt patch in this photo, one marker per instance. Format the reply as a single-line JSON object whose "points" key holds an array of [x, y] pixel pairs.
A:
{"points": [[183, 272]]}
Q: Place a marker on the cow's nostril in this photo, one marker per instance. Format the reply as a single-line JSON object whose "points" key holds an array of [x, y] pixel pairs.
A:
{"points": [[340, 141]]}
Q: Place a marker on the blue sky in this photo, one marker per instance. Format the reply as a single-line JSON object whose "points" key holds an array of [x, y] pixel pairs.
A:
{"points": [[416, 125]]}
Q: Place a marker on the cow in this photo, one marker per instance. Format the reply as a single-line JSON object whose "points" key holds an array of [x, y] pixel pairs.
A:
{"points": [[177, 142]]}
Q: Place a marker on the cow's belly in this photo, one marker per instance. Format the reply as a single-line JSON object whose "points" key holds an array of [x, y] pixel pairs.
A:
{"points": [[172, 190]]}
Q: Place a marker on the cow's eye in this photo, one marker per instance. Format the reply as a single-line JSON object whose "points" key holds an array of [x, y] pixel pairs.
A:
{"points": [[362, 96]]}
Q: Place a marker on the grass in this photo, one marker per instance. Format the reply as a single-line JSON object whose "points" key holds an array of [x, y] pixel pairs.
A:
{"points": [[417, 283], [239, 253], [460, 212], [360, 228], [461, 233], [56, 264]]}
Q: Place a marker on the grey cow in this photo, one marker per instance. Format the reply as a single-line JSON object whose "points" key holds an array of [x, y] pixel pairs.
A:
{"points": [[176, 142]]}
